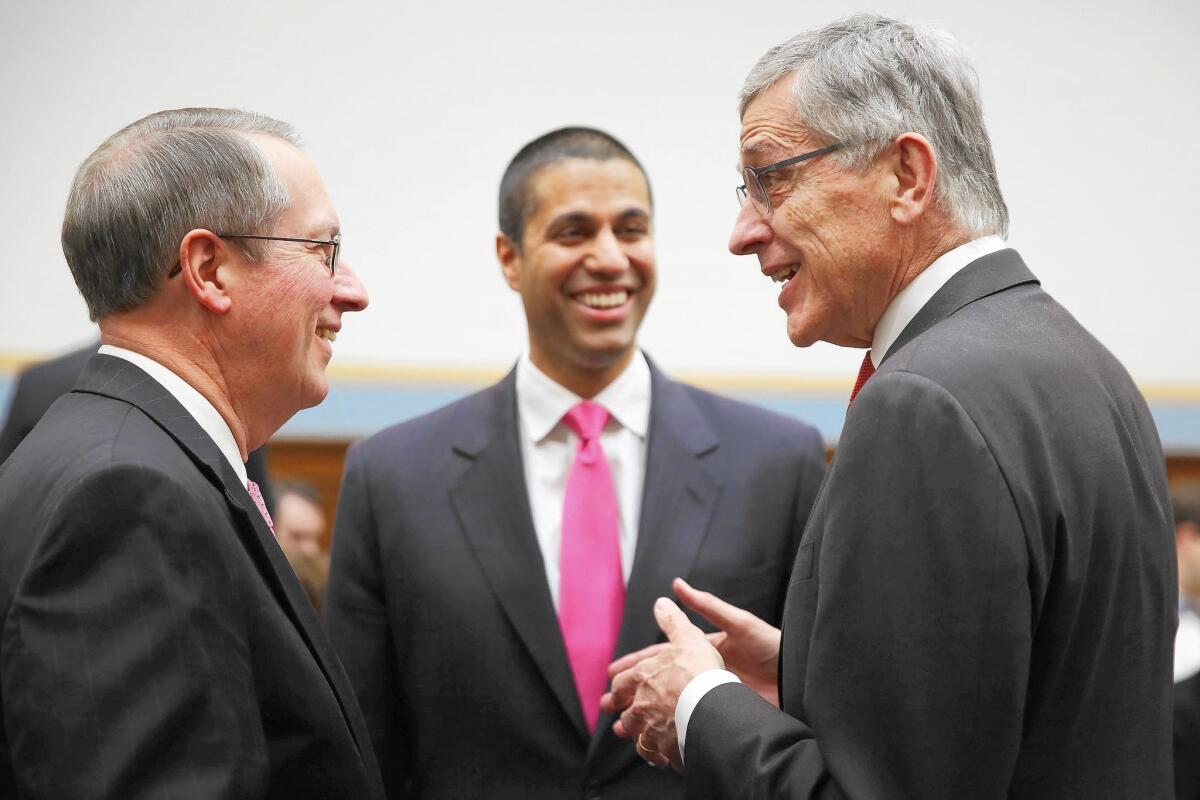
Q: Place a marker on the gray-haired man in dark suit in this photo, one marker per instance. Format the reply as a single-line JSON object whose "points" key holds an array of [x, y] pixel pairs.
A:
{"points": [[983, 602]]}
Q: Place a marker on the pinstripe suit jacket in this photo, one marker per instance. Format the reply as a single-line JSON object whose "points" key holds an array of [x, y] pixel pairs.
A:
{"points": [[155, 642]]}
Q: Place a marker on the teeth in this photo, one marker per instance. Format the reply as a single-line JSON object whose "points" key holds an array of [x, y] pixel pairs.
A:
{"points": [[327, 334], [606, 300], [783, 276]]}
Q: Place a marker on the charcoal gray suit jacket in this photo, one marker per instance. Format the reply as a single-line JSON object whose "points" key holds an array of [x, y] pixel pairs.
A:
{"points": [[983, 603], [155, 642], [439, 607]]}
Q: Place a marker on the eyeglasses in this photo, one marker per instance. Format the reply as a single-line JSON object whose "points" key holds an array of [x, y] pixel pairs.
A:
{"points": [[330, 260], [757, 191]]}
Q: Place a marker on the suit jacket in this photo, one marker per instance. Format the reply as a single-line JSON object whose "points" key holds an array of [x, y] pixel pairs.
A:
{"points": [[36, 390], [155, 642], [983, 603], [439, 607], [1187, 739], [40, 385]]}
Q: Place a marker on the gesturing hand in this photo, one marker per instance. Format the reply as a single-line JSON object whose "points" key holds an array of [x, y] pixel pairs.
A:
{"points": [[646, 693], [749, 646]]}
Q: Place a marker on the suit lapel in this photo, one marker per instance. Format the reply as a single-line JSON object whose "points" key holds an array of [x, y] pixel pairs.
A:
{"points": [[984, 276], [679, 495], [493, 507], [117, 378]]}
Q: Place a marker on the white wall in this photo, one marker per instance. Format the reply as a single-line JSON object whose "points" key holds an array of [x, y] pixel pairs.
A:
{"points": [[412, 110]]}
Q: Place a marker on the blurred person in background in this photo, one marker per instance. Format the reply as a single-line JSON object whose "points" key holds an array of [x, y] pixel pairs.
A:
{"points": [[490, 558], [1185, 499], [301, 527]]}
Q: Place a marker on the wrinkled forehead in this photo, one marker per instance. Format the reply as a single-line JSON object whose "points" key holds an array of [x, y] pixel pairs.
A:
{"points": [[771, 126]]}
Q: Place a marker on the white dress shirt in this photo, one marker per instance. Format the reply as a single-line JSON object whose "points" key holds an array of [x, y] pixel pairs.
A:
{"points": [[548, 447], [1187, 642], [196, 404], [895, 319]]}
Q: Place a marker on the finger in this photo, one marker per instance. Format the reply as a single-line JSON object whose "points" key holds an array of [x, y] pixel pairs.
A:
{"points": [[619, 729], [624, 686], [627, 661], [672, 621], [724, 615]]}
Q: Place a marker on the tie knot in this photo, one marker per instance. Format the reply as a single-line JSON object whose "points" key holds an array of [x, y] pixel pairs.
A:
{"points": [[587, 419]]}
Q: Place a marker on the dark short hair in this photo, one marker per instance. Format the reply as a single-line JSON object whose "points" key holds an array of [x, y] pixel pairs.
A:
{"points": [[517, 201], [285, 486], [1185, 500]]}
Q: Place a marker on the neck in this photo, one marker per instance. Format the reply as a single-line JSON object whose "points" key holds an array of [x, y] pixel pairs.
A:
{"points": [[188, 357], [586, 382], [923, 250]]}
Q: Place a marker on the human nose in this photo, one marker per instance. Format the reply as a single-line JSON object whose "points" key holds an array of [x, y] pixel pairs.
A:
{"points": [[349, 292], [607, 254], [751, 230]]}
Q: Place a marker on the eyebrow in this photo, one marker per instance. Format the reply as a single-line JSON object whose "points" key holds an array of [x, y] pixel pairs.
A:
{"points": [[581, 217]]}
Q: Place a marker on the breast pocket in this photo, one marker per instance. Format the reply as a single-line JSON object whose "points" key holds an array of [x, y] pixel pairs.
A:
{"points": [[802, 567]]}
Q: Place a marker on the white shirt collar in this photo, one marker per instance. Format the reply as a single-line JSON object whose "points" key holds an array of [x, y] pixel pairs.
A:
{"points": [[196, 404], [542, 403], [912, 298]]}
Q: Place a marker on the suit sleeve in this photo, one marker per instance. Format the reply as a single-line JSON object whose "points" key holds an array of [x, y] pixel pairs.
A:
{"points": [[917, 661], [125, 668], [356, 617]]}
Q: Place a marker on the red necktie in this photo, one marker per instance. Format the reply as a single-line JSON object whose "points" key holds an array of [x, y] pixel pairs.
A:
{"points": [[591, 588], [257, 497], [864, 372]]}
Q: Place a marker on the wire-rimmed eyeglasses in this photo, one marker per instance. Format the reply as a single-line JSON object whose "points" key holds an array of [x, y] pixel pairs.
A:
{"points": [[330, 260], [757, 191]]}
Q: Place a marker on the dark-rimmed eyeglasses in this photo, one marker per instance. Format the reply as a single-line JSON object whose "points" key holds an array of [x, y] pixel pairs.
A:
{"points": [[330, 260], [756, 190]]}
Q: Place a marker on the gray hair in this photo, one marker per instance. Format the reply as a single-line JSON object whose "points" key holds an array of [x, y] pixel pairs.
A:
{"points": [[867, 79], [136, 197]]}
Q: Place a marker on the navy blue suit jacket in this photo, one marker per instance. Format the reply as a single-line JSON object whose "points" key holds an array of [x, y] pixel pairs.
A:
{"points": [[438, 603]]}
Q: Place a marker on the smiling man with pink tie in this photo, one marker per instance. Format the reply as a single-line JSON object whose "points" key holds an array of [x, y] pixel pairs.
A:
{"points": [[491, 558]]}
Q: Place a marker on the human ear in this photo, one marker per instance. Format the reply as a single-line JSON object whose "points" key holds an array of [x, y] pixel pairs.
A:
{"points": [[914, 169], [508, 253], [204, 261]]}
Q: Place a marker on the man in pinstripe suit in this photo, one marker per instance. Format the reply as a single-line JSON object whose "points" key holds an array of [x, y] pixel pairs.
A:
{"points": [[155, 642]]}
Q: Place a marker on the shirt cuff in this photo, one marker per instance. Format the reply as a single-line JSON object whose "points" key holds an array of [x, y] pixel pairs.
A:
{"points": [[691, 696]]}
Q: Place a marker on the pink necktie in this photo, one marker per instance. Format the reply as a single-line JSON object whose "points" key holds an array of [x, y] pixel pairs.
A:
{"points": [[257, 497], [591, 590], [864, 372]]}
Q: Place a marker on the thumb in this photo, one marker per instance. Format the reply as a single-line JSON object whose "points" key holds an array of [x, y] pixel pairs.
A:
{"points": [[671, 621]]}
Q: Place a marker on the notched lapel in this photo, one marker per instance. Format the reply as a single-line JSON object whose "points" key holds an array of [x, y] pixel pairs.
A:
{"points": [[117, 378], [984, 276], [492, 504]]}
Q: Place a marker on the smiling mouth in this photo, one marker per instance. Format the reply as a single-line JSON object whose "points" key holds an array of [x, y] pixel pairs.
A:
{"points": [[328, 334], [785, 275], [603, 300]]}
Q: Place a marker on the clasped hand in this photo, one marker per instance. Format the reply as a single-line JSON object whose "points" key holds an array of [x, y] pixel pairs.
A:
{"points": [[646, 684]]}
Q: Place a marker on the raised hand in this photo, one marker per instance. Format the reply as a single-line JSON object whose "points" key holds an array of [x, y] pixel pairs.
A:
{"points": [[749, 646]]}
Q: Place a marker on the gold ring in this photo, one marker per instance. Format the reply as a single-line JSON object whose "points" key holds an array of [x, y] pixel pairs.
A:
{"points": [[642, 744]]}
